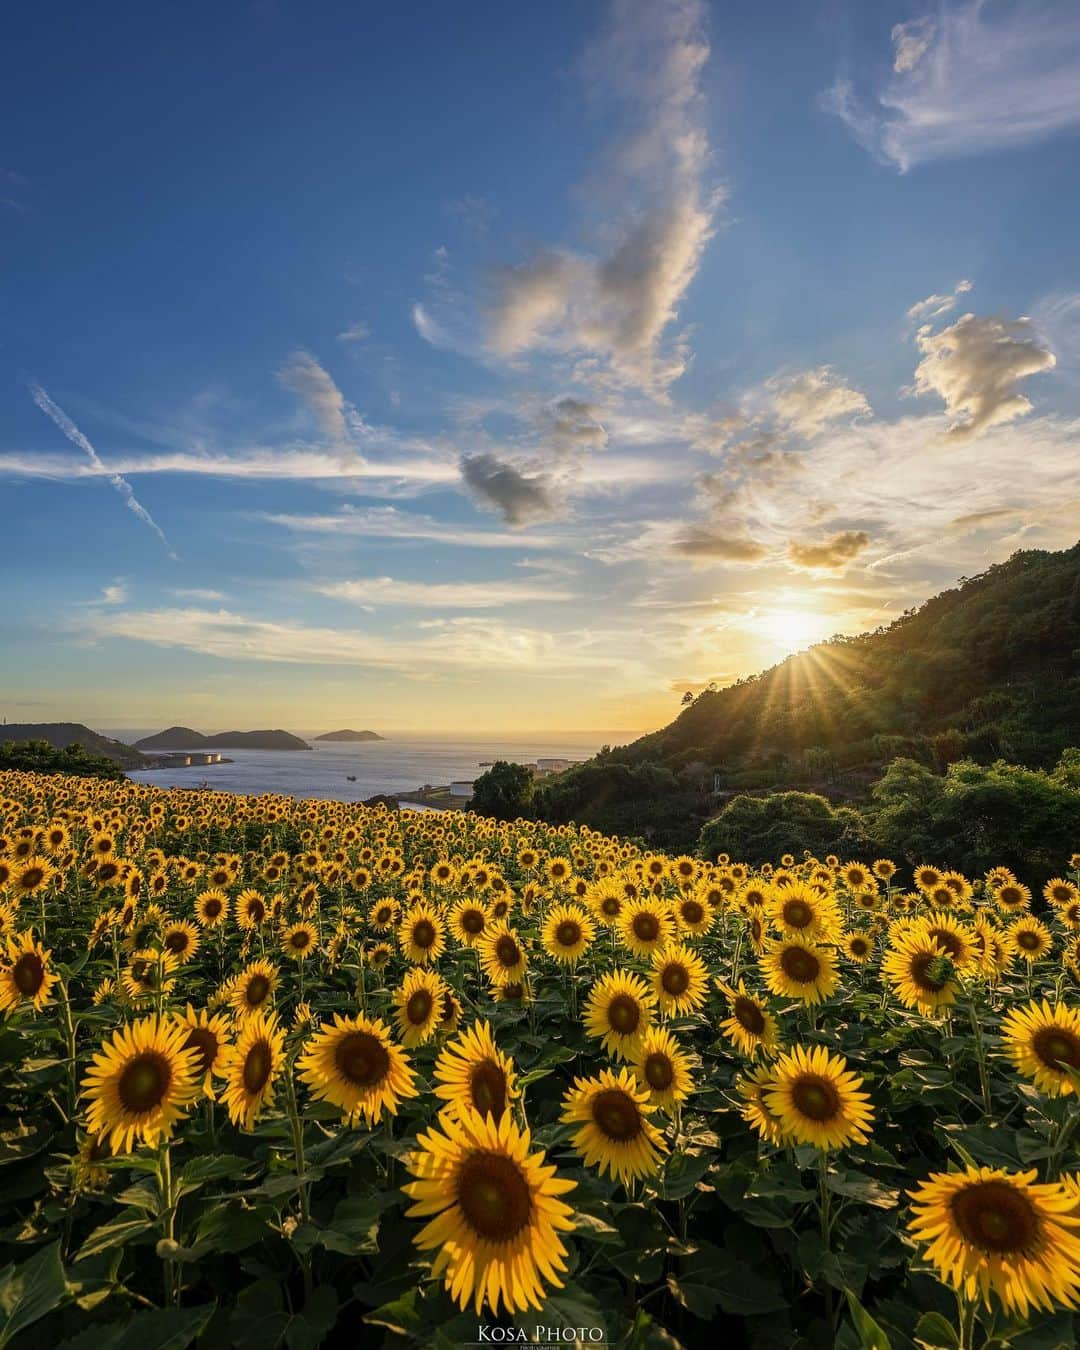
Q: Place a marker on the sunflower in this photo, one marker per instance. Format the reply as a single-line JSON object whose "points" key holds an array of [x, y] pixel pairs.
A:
{"points": [[250, 1066], [994, 955], [502, 955], [797, 969], [421, 936], [987, 1231], [615, 1133], [663, 1067], [299, 940], [493, 1213], [473, 1075], [25, 977], [181, 940], [140, 1084], [419, 1006], [606, 900], [619, 1011], [1058, 891], [680, 980], [211, 908], [646, 925], [1030, 939], [927, 877], [753, 1087], [379, 955], [353, 1064], [694, 916], [751, 1026], [32, 875], [567, 933], [858, 946], [252, 989], [818, 1099], [383, 915], [468, 919], [207, 1034], [1041, 1041], [449, 1013], [919, 970], [884, 869], [148, 974], [251, 910]]}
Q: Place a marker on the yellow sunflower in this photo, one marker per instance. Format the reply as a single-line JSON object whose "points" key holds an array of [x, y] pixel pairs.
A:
{"points": [[797, 969], [250, 1066], [919, 970], [663, 1067], [140, 1084], [989, 1231], [468, 920], [473, 1074], [818, 1099], [751, 1026], [858, 946], [353, 1064], [419, 1006], [502, 955], [181, 940], [211, 908], [493, 1212], [1041, 1040], [1030, 939], [615, 1132], [299, 940], [206, 1034], [421, 936], [619, 1011], [568, 932], [646, 925], [252, 990], [251, 909], [383, 915], [680, 980], [753, 1087], [694, 916], [147, 974], [32, 875], [25, 976]]}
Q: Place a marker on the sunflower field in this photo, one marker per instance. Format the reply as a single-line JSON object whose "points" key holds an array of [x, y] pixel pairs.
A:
{"points": [[301, 1073]]}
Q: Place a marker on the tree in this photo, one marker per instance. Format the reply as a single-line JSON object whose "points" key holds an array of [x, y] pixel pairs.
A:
{"points": [[505, 792], [41, 757], [757, 830]]}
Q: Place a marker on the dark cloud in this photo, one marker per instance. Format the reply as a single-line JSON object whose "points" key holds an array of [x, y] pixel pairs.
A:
{"points": [[517, 496]]}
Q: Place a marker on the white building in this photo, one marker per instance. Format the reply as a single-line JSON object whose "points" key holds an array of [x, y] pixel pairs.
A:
{"points": [[555, 765], [461, 788]]}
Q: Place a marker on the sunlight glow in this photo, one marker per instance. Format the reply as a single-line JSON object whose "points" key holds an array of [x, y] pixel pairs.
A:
{"points": [[793, 629]]}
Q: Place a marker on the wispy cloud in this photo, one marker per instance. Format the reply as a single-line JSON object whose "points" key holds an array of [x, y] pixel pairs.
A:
{"points": [[355, 332], [970, 78], [934, 306], [387, 522], [388, 592], [76, 437], [304, 376], [196, 593]]}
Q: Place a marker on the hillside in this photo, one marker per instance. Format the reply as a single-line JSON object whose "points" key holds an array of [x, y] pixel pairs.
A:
{"points": [[62, 734], [184, 738], [985, 670], [349, 736]]}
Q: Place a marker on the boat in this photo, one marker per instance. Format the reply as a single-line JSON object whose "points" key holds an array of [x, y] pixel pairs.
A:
{"points": [[350, 778]]}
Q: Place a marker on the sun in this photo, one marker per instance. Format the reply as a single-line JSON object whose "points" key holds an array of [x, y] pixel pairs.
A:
{"points": [[791, 627]]}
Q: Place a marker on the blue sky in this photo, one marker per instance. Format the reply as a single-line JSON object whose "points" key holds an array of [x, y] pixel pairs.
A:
{"points": [[518, 367]]}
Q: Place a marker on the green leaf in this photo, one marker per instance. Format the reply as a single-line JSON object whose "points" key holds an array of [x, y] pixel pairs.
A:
{"points": [[19, 1140], [588, 1225], [314, 1324], [115, 1234], [159, 1329], [935, 1331], [683, 1173], [567, 1307], [871, 1336], [717, 1277], [30, 1290], [212, 1167], [399, 1316], [858, 1186]]}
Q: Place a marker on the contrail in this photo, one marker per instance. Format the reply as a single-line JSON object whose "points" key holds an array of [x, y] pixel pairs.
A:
{"points": [[72, 432]]}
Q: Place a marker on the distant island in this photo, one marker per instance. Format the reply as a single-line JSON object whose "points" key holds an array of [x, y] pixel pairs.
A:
{"points": [[61, 735], [350, 736], [184, 738]]}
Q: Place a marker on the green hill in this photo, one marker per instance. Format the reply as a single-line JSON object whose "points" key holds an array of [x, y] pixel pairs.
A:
{"points": [[60, 735], [985, 671]]}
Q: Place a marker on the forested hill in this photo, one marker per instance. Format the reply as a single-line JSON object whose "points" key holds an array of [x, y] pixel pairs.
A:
{"points": [[990, 668]]}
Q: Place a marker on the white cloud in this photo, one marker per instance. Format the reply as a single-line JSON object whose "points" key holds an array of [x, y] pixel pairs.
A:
{"points": [[974, 78], [807, 402], [72, 432], [355, 332], [934, 306], [430, 329], [381, 592], [197, 593], [616, 306], [829, 554], [387, 522], [975, 366], [304, 376]]}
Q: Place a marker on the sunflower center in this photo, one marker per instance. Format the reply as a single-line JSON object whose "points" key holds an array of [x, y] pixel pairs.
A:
{"points": [[487, 1085], [616, 1115], [568, 933], [996, 1217], [507, 952], [857, 946], [31, 877], [300, 939], [646, 927], [659, 1072], [144, 1081], [675, 978], [692, 912], [28, 974], [212, 909], [423, 934], [513, 992], [611, 906], [1055, 1045], [257, 991], [624, 1015], [257, 1065], [952, 944], [797, 914], [472, 921], [800, 965], [749, 1016], [925, 969], [203, 1041], [418, 1008], [494, 1196], [177, 941], [256, 911], [815, 1097], [1028, 940], [362, 1059]]}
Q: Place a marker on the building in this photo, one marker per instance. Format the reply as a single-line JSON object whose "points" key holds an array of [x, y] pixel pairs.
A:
{"points": [[555, 765], [461, 788]]}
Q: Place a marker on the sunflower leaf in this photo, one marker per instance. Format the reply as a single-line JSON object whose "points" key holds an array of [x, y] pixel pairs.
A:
{"points": [[30, 1290]]}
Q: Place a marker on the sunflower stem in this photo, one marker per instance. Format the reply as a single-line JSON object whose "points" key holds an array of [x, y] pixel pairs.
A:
{"points": [[298, 1141], [69, 1046], [167, 1219], [826, 1227], [980, 1054]]}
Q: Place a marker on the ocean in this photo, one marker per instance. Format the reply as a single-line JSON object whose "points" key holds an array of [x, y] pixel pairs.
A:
{"points": [[397, 764]]}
